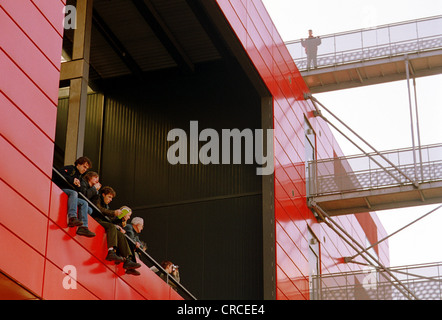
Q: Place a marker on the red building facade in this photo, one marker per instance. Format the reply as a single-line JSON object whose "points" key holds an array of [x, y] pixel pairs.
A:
{"points": [[38, 248]]}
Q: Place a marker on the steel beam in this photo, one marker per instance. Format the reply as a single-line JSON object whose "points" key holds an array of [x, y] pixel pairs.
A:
{"points": [[166, 37], [77, 71]]}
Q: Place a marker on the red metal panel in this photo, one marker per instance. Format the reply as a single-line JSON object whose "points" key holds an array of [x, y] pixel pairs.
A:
{"points": [[20, 261], [173, 295], [58, 207], [37, 28], [124, 291], [152, 287], [55, 290], [23, 176], [287, 287], [23, 219], [25, 136], [92, 274], [53, 12], [33, 62], [31, 101]]}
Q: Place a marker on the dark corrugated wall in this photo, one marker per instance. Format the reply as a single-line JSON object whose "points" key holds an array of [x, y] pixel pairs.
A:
{"points": [[205, 218], [93, 130]]}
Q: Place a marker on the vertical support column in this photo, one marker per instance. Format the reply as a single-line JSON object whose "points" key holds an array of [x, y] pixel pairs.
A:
{"points": [[407, 72], [419, 145], [79, 82], [268, 210]]}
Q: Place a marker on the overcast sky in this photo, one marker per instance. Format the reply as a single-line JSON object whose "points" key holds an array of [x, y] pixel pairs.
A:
{"points": [[378, 113]]}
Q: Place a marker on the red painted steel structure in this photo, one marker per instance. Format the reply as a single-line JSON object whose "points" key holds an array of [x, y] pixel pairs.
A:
{"points": [[260, 38], [36, 243]]}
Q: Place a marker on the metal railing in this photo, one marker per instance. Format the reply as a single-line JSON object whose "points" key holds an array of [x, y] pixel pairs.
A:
{"points": [[372, 171], [390, 40], [144, 256], [423, 280]]}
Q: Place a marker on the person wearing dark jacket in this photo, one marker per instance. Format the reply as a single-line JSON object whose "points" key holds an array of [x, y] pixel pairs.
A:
{"points": [[133, 229], [311, 49], [73, 175], [116, 240], [90, 184]]}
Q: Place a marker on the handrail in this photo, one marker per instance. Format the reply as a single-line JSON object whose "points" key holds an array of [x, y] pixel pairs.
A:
{"points": [[389, 151], [339, 285], [386, 50], [394, 24], [373, 43], [367, 179], [168, 278]]}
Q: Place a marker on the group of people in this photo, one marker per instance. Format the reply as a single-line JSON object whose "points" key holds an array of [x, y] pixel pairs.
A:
{"points": [[114, 222], [82, 180]]}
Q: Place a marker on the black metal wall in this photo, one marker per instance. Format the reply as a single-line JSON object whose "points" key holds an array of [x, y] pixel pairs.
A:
{"points": [[205, 218]]}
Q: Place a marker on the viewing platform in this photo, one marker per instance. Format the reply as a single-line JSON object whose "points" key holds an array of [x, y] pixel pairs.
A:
{"points": [[372, 56]]}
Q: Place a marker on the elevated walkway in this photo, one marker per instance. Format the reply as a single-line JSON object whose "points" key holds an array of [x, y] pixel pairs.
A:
{"points": [[424, 282], [374, 181], [372, 56], [377, 181]]}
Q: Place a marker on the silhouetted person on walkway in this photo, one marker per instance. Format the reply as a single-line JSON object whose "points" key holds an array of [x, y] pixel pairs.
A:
{"points": [[311, 49]]}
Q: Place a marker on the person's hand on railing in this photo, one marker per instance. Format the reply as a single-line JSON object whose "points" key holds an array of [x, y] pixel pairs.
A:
{"points": [[77, 182]]}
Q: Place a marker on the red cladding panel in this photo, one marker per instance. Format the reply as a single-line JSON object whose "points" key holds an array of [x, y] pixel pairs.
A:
{"points": [[92, 274], [157, 288], [33, 62], [38, 29], [173, 295], [27, 222], [25, 136], [19, 173], [123, 291], [59, 286], [58, 210], [20, 261], [53, 12], [34, 103]]}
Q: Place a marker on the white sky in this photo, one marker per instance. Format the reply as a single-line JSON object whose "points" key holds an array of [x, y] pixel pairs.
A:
{"points": [[380, 113]]}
